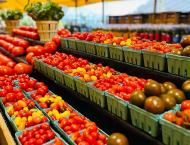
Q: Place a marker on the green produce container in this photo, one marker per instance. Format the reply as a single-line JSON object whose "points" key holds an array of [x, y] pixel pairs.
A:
{"points": [[59, 76], [82, 87], [117, 106], [37, 64], [50, 71], [133, 56], [43, 68], [90, 47], [116, 52], [97, 96], [102, 50], [81, 45], [144, 120], [69, 81], [72, 43], [178, 65], [173, 134], [64, 43], [154, 60]]}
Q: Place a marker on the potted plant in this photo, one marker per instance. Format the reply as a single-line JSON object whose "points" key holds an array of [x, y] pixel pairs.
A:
{"points": [[46, 16], [11, 18]]}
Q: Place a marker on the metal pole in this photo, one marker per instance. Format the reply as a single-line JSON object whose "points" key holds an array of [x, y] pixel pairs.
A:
{"points": [[103, 11], [154, 10], [76, 10]]}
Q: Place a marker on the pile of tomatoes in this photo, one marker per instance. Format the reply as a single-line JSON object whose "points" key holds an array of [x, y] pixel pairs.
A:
{"points": [[27, 31], [14, 45]]}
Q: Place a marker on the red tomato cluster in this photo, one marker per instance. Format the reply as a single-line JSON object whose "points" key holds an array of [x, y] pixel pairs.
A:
{"points": [[57, 141], [27, 31], [89, 136], [14, 45], [182, 117], [64, 33], [37, 135]]}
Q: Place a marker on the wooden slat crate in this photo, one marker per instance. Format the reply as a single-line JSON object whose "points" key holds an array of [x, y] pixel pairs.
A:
{"points": [[171, 17], [137, 19]]}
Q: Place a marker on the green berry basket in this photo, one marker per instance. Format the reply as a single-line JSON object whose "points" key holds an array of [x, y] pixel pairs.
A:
{"points": [[82, 87], [59, 76], [117, 106], [70, 81], [178, 65], [72, 43], [37, 64], [97, 96], [144, 120], [64, 43], [102, 50], [173, 134], [50, 71], [133, 56], [81, 45], [90, 47], [116, 52], [154, 60]]}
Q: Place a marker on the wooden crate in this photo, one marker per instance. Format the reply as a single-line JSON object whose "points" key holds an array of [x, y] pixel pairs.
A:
{"points": [[5, 135], [156, 18], [171, 17], [137, 19], [183, 18]]}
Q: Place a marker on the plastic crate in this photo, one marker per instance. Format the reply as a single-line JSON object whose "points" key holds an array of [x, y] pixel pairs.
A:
{"points": [[64, 43], [59, 76], [69, 81], [90, 47], [17, 134], [80, 45], [144, 120], [116, 52], [82, 87], [154, 60], [178, 65], [117, 106], [72, 43], [102, 50], [97, 96], [173, 134], [133, 56]]}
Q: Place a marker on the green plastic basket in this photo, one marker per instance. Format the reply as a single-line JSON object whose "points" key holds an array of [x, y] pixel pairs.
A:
{"points": [[178, 65], [173, 134], [69, 81], [37, 64], [81, 45], [43, 68], [116, 52], [97, 96], [59, 76], [82, 87], [50, 71], [72, 43], [90, 47], [64, 43], [154, 60], [117, 106], [144, 120], [133, 56], [102, 50]]}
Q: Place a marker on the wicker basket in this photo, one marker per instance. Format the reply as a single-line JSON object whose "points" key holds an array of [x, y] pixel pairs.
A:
{"points": [[46, 29], [11, 24]]}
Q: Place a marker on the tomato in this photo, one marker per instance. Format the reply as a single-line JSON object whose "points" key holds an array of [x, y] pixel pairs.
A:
{"points": [[29, 57], [186, 115], [22, 68], [11, 64], [23, 44], [57, 40], [5, 70], [16, 51], [40, 84], [50, 47], [4, 59], [185, 105], [84, 143], [39, 141], [45, 126], [51, 135]]}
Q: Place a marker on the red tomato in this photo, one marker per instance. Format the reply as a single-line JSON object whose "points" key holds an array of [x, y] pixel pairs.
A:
{"points": [[11, 64], [84, 143], [22, 68], [50, 47], [29, 57], [57, 40], [185, 105], [186, 115], [16, 51], [5, 70]]}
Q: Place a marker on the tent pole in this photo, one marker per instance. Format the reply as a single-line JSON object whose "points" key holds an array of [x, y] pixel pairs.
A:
{"points": [[76, 10], [103, 11], [154, 10]]}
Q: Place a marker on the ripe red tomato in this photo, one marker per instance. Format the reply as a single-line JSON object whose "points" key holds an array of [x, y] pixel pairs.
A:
{"points": [[29, 57], [57, 40], [185, 105], [50, 47], [5, 70], [22, 68], [17, 51]]}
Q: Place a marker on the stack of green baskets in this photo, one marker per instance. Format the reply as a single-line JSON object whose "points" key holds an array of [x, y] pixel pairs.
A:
{"points": [[178, 65], [117, 106], [70, 81], [102, 50], [80, 45], [144, 120], [154, 60], [82, 87], [133, 56], [173, 134], [90, 47], [116, 52], [37, 64], [64, 43], [59, 76], [72, 43]]}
